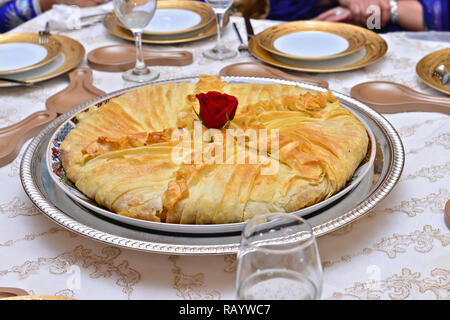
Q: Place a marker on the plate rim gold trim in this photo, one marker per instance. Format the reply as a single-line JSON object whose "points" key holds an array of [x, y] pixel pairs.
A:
{"points": [[370, 35], [435, 59], [53, 47], [69, 63], [330, 27], [181, 4], [111, 25]]}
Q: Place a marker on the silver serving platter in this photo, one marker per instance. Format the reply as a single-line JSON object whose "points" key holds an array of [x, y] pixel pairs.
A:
{"points": [[59, 207]]}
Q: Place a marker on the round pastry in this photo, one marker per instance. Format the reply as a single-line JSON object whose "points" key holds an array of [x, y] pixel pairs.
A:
{"points": [[146, 154]]}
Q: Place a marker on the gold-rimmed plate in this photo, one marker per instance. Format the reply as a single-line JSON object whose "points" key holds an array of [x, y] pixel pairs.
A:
{"points": [[312, 40], [426, 66], [111, 24], [71, 56], [21, 52], [373, 50], [178, 17]]}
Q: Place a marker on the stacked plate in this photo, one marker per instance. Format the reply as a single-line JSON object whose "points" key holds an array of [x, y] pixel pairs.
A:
{"points": [[318, 46], [23, 58], [173, 22]]}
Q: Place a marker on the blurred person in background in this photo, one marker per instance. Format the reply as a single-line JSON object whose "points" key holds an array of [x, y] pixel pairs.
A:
{"points": [[413, 15], [16, 12]]}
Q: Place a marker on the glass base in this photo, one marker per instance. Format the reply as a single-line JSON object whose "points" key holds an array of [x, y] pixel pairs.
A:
{"points": [[143, 75], [220, 54]]}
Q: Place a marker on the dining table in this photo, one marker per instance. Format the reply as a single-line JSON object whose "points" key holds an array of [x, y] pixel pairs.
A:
{"points": [[399, 250]]}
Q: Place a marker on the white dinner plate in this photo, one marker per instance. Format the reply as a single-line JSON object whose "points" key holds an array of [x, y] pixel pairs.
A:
{"points": [[18, 55], [21, 52], [311, 44], [173, 20], [72, 54], [339, 62]]}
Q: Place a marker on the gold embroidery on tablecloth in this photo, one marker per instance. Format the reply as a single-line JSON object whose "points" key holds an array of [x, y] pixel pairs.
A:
{"points": [[65, 293], [400, 286], [434, 202], [191, 287], [14, 167], [33, 236], [105, 265], [422, 241], [231, 261], [433, 173], [442, 140], [349, 227], [18, 207], [408, 131]]}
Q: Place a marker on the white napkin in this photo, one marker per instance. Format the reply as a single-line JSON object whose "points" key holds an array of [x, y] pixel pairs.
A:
{"points": [[64, 17]]}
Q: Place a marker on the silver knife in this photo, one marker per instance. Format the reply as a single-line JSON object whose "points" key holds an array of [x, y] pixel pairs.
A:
{"points": [[249, 28]]}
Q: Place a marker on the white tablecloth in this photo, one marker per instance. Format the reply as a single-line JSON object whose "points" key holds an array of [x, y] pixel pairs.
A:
{"points": [[400, 250]]}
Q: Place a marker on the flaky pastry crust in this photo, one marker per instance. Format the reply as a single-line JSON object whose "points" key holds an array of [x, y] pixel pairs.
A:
{"points": [[121, 154]]}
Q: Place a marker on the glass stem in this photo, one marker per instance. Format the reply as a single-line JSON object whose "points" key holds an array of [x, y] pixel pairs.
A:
{"points": [[140, 64], [219, 19]]}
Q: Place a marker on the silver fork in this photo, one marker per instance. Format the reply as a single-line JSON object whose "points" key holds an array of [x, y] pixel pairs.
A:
{"points": [[44, 34], [242, 45]]}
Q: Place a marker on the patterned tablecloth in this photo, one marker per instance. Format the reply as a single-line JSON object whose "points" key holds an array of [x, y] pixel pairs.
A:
{"points": [[400, 250]]}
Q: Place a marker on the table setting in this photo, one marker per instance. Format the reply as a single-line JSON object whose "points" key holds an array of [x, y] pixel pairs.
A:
{"points": [[112, 140]]}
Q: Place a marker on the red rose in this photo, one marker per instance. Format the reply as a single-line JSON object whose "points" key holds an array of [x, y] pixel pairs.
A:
{"points": [[216, 108]]}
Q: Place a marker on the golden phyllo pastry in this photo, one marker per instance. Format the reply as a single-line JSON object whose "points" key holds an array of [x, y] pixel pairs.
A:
{"points": [[145, 154]]}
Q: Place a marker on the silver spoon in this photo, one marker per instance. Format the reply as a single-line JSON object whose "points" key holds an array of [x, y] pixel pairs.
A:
{"points": [[442, 74], [242, 45]]}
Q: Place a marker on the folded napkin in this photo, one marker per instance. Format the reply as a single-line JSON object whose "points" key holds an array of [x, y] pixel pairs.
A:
{"points": [[64, 17]]}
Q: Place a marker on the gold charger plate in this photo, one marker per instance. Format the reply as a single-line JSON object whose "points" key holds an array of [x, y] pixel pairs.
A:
{"points": [[202, 9], [53, 48], [353, 34], [111, 24], [374, 49], [426, 66], [71, 56]]}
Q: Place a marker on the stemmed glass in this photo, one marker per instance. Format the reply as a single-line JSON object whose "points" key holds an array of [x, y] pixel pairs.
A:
{"points": [[220, 52], [278, 259], [136, 15]]}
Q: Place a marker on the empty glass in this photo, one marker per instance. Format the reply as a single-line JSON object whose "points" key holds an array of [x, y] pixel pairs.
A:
{"points": [[136, 15], [220, 52], [278, 259]]}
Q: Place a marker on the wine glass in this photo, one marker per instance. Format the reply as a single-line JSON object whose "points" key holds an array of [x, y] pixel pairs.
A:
{"points": [[220, 52], [278, 259], [136, 15]]}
